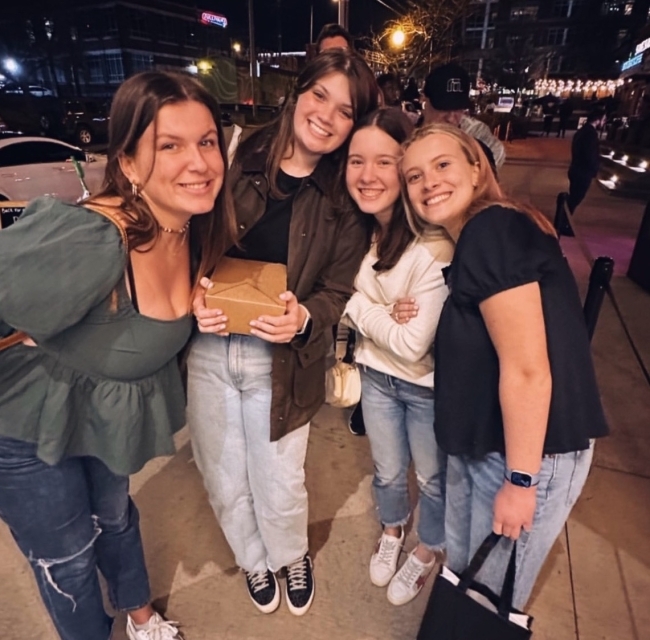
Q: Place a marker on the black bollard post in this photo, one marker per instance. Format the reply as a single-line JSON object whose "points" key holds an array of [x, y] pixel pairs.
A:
{"points": [[560, 222], [601, 274]]}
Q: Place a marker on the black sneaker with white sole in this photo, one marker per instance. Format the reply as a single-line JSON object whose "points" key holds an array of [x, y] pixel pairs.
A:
{"points": [[264, 590], [300, 586]]}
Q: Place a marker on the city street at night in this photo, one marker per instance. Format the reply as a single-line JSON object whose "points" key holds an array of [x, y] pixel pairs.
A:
{"points": [[594, 585]]}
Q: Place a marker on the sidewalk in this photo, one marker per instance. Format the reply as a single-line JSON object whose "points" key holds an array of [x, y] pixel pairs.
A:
{"points": [[595, 584]]}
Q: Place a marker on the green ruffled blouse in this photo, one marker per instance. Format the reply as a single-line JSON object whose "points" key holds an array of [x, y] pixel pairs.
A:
{"points": [[102, 382]]}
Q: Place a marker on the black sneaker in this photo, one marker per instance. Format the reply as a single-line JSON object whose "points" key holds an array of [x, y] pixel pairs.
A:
{"points": [[300, 586], [355, 423], [263, 590]]}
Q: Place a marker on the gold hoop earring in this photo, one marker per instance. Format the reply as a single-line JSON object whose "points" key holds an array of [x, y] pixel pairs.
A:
{"points": [[135, 190]]}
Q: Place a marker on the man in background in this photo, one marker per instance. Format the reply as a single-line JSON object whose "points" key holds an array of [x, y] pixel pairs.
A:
{"points": [[585, 158], [334, 36], [446, 93]]}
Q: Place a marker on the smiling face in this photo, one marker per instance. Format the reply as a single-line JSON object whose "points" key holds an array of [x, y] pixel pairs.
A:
{"points": [[372, 175], [177, 164], [440, 181], [323, 116]]}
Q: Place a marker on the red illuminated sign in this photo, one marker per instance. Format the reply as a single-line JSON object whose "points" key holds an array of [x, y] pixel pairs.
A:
{"points": [[207, 17]]}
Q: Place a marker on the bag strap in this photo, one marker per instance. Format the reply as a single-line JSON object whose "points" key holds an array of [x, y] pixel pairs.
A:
{"points": [[468, 576], [15, 338], [110, 214]]}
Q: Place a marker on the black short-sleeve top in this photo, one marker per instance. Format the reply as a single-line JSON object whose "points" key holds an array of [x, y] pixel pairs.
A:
{"points": [[103, 380], [500, 249]]}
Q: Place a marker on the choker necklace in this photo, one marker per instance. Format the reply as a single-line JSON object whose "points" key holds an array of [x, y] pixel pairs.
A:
{"points": [[181, 232]]}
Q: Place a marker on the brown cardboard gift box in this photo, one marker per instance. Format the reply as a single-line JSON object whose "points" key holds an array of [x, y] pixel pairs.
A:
{"points": [[245, 290]]}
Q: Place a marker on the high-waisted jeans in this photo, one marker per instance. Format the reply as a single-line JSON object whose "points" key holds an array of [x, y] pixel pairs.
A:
{"points": [[69, 520], [256, 487]]}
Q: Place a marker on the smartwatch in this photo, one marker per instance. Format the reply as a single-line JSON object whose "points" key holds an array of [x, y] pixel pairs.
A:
{"points": [[521, 478]]}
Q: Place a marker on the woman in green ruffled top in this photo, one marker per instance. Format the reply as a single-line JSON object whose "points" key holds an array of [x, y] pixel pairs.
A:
{"points": [[103, 291]]}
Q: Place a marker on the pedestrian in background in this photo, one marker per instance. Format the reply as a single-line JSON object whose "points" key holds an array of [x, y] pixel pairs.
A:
{"points": [[96, 392], [564, 111], [517, 405], [251, 397], [585, 158], [446, 92], [549, 111], [334, 36], [394, 358]]}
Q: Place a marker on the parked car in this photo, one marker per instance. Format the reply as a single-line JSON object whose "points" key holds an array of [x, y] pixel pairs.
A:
{"points": [[86, 121], [32, 167], [30, 109]]}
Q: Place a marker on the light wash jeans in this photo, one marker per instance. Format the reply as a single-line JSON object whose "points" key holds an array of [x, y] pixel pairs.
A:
{"points": [[70, 519], [399, 424], [256, 487], [471, 488]]}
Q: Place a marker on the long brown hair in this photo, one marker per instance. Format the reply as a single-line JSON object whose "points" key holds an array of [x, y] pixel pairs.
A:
{"points": [[392, 242], [135, 106], [277, 137], [488, 191]]}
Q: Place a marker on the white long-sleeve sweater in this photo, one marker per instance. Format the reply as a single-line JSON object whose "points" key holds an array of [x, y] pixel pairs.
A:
{"points": [[400, 350]]}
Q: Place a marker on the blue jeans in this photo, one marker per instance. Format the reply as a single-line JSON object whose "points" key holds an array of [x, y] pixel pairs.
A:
{"points": [[256, 487], [472, 486], [399, 424], [69, 520]]}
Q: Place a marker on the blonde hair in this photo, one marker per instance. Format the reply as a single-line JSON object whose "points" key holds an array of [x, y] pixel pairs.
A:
{"points": [[488, 192]]}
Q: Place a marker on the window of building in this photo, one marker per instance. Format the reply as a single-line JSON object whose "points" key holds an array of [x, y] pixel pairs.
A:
{"points": [[474, 38], [629, 7], [115, 67], [556, 36], [566, 8], [138, 24], [110, 25], [613, 8], [555, 64], [192, 33], [167, 29], [525, 12], [141, 61], [620, 36], [476, 20], [95, 69]]}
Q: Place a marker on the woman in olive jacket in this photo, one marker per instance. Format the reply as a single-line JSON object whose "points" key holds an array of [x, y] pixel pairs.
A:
{"points": [[251, 397]]}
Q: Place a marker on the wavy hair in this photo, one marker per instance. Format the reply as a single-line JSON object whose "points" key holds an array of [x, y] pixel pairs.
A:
{"points": [[488, 191], [277, 137], [135, 107]]}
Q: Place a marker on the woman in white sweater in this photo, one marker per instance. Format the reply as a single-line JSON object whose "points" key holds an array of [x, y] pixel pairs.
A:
{"points": [[395, 357]]}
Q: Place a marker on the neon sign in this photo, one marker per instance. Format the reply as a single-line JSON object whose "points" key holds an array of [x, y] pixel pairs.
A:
{"points": [[215, 19], [642, 46], [632, 62]]}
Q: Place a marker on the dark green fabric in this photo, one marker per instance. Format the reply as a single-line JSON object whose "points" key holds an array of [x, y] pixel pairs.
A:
{"points": [[103, 381]]}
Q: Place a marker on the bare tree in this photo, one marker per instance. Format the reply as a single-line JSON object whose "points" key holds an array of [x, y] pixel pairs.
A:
{"points": [[428, 27]]}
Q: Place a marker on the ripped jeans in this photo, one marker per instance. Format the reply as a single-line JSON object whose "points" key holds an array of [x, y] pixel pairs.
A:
{"points": [[399, 423], [69, 520]]}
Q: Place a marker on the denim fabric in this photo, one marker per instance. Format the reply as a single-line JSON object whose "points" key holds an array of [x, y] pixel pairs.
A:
{"points": [[399, 423], [472, 486], [256, 487], [69, 520]]}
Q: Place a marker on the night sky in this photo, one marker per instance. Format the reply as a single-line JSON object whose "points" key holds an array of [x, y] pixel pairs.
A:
{"points": [[291, 19]]}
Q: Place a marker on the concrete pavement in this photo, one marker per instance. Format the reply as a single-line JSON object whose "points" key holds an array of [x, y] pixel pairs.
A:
{"points": [[595, 584]]}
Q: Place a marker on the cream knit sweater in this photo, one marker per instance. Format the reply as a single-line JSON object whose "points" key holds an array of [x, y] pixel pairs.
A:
{"points": [[400, 350]]}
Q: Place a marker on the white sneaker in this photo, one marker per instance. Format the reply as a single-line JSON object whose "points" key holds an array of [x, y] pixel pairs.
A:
{"points": [[383, 562], [409, 580], [157, 629]]}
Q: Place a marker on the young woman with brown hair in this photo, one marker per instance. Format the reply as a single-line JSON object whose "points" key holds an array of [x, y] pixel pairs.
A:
{"points": [[395, 360], [96, 392], [251, 397]]}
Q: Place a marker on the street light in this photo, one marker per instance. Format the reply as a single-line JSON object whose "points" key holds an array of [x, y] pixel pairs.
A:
{"points": [[236, 47], [11, 66], [398, 38]]}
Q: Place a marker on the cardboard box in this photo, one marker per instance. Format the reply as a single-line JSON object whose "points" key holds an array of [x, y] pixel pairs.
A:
{"points": [[245, 290]]}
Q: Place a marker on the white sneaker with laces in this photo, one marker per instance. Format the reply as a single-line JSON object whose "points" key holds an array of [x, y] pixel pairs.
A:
{"points": [[157, 629], [383, 562], [409, 580]]}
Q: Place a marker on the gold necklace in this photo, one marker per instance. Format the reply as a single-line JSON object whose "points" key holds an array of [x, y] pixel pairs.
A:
{"points": [[181, 232]]}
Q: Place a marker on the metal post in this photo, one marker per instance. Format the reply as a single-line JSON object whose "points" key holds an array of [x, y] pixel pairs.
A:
{"points": [[601, 274], [252, 54], [343, 13], [311, 25], [560, 222]]}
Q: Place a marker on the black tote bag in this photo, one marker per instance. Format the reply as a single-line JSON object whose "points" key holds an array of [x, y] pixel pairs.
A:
{"points": [[460, 608]]}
